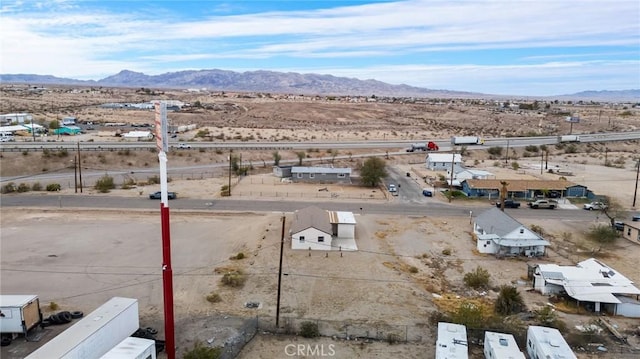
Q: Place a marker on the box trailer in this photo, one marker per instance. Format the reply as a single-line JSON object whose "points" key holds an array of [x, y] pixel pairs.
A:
{"points": [[133, 348], [19, 314], [543, 342], [467, 140], [569, 138], [95, 334], [452, 341]]}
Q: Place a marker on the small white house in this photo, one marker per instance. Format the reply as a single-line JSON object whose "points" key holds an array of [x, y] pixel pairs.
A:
{"points": [[442, 161], [501, 346], [343, 224], [498, 233], [590, 283], [543, 342], [452, 341], [311, 229]]}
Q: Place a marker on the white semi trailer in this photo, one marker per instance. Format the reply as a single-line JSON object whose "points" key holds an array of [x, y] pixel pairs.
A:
{"points": [[95, 334], [569, 138], [467, 140]]}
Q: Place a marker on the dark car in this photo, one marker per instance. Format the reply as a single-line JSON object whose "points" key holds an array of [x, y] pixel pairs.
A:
{"points": [[427, 193], [618, 225], [636, 217], [158, 195], [509, 203]]}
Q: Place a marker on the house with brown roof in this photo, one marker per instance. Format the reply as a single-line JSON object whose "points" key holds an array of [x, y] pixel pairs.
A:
{"points": [[519, 188]]}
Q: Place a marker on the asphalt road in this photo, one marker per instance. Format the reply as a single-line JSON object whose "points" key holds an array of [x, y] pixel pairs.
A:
{"points": [[407, 208]]}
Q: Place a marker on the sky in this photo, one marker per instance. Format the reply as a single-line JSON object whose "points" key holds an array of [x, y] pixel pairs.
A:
{"points": [[525, 47]]}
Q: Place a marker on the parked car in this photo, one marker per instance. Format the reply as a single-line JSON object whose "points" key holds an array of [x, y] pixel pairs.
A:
{"points": [[543, 203], [618, 225], [594, 205], [158, 195], [427, 193], [636, 217], [184, 146], [509, 203], [393, 189]]}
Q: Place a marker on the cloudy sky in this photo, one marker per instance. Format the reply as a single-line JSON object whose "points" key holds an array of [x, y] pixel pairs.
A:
{"points": [[525, 47]]}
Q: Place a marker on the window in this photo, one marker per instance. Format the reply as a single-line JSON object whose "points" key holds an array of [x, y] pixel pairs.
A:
{"points": [[301, 239], [321, 239], [312, 175], [342, 175], [488, 242], [299, 175]]}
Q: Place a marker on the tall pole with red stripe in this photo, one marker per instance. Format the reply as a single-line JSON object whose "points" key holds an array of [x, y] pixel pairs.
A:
{"points": [[162, 142]]}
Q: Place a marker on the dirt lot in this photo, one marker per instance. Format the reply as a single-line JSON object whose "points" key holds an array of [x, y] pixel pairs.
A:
{"points": [[79, 259]]}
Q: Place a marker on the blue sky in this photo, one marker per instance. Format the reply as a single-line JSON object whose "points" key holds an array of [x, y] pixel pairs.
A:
{"points": [[526, 47]]}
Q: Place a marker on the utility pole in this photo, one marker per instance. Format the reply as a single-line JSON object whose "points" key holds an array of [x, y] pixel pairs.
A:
{"points": [[230, 151], [75, 173], [635, 193], [453, 161], [541, 161], [506, 156], [280, 274], [79, 168]]}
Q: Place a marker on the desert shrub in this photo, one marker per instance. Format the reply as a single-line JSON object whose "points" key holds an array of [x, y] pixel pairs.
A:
{"points": [[446, 251], [36, 187], [200, 351], [25, 153], [602, 234], [515, 166], [413, 269], [125, 152], [63, 153], [53, 306], [393, 338], [23, 187], [509, 301], [153, 179], [214, 298], [571, 149], [478, 278], [532, 148], [105, 184], [46, 153], [545, 316], [469, 314], [53, 187], [9, 188], [225, 191], [238, 256], [129, 183], [537, 229], [494, 151], [234, 279], [309, 330]]}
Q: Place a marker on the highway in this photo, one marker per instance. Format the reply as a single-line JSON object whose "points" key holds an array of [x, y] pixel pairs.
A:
{"points": [[445, 145]]}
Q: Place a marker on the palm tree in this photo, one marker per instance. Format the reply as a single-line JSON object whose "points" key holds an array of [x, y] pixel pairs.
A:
{"points": [[509, 301]]}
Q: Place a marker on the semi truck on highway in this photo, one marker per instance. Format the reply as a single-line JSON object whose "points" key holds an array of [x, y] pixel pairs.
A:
{"points": [[569, 138], [467, 140], [424, 146]]}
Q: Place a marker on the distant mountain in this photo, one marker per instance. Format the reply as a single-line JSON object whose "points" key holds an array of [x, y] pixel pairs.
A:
{"points": [[290, 82]]}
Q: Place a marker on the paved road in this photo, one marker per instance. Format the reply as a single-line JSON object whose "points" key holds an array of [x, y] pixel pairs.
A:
{"points": [[430, 208]]}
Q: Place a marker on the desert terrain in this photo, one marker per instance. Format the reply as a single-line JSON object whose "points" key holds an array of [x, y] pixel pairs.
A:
{"points": [[80, 258]]}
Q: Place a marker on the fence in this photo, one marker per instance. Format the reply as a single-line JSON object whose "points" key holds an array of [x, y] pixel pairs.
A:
{"points": [[348, 329]]}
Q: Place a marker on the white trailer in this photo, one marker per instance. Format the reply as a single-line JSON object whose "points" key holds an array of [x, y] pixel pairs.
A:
{"points": [[133, 348], [95, 334], [543, 342], [501, 346], [467, 140], [19, 314], [569, 138], [452, 341]]}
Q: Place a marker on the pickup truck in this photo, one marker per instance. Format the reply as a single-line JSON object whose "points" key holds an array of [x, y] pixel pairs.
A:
{"points": [[543, 203], [594, 206], [509, 203]]}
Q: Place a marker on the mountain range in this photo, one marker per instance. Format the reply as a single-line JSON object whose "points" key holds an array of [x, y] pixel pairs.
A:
{"points": [[290, 82]]}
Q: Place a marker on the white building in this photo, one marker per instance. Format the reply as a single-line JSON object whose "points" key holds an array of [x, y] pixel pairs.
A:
{"points": [[343, 224], [498, 233], [501, 346], [15, 118], [452, 341], [543, 342], [592, 283], [311, 229], [442, 161]]}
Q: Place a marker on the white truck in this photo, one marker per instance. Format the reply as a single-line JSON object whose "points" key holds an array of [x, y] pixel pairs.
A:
{"points": [[569, 138], [18, 315], [467, 140]]}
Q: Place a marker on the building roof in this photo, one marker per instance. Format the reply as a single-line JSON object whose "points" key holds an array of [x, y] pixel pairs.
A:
{"points": [[342, 217], [503, 345], [16, 300], [298, 169], [444, 157], [519, 185], [452, 341], [495, 221], [590, 280], [550, 342], [311, 217], [138, 134], [13, 128]]}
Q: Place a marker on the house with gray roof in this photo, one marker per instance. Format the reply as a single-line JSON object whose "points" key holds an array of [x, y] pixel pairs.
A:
{"points": [[498, 233], [320, 174], [311, 229]]}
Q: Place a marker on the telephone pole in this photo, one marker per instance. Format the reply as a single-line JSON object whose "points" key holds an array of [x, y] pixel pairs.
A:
{"points": [[280, 274], [453, 161], [635, 193]]}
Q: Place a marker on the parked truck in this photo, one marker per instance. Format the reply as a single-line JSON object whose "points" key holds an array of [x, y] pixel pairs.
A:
{"points": [[569, 138], [509, 203], [544, 203], [18, 315], [467, 140], [423, 146]]}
